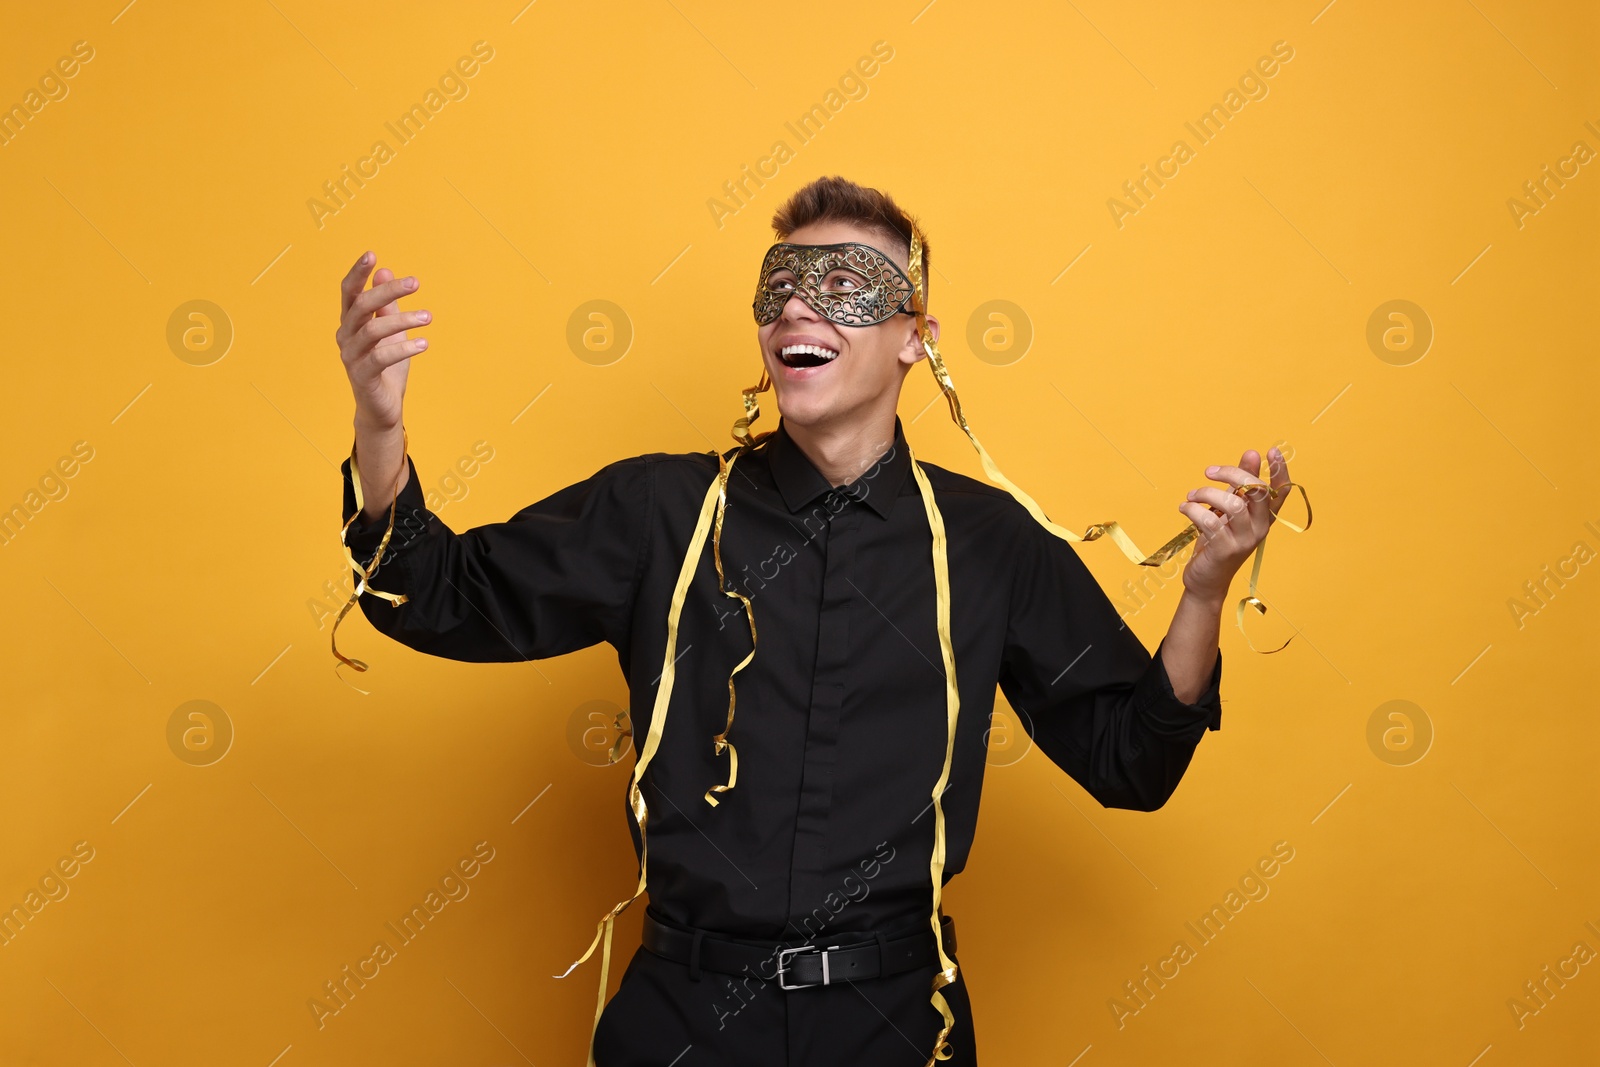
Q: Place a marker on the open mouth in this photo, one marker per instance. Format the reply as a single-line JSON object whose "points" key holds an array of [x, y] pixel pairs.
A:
{"points": [[806, 355]]}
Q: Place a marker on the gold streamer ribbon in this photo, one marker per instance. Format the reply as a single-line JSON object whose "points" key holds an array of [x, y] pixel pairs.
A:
{"points": [[1099, 529], [712, 511], [395, 599], [752, 412], [720, 741], [941, 585], [658, 722], [624, 733], [748, 442]]}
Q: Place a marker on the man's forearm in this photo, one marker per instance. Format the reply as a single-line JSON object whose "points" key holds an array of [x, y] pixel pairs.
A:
{"points": [[381, 458], [1190, 651]]}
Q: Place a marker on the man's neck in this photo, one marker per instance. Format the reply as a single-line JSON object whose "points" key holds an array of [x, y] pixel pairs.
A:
{"points": [[842, 453]]}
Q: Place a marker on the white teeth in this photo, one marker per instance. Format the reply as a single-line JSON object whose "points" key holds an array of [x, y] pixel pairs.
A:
{"points": [[807, 350]]}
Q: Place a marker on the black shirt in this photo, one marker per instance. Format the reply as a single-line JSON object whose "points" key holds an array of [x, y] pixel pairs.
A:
{"points": [[841, 717]]}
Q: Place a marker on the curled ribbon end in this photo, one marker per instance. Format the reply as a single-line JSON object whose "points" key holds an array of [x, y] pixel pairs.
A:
{"points": [[1238, 618], [358, 665]]}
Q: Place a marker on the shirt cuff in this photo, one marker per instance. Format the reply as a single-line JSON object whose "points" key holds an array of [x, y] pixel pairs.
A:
{"points": [[363, 537], [1169, 716]]}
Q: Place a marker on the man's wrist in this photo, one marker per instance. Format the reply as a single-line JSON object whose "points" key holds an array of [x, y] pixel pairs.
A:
{"points": [[375, 429], [1212, 603], [373, 425]]}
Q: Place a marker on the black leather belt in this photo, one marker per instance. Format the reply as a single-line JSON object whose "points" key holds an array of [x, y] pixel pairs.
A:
{"points": [[796, 965]]}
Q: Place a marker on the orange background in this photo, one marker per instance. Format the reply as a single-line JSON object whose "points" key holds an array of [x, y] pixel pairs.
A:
{"points": [[186, 558]]}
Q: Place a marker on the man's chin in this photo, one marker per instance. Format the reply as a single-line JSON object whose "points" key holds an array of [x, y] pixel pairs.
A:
{"points": [[803, 410]]}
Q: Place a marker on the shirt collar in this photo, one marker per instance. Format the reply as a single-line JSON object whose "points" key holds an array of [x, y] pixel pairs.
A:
{"points": [[801, 483]]}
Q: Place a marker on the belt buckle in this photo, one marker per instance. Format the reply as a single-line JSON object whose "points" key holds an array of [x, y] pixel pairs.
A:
{"points": [[783, 958]]}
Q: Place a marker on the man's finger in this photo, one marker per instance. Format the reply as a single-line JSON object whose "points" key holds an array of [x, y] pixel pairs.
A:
{"points": [[1220, 499], [350, 287], [384, 326], [388, 354], [1235, 475], [1278, 466], [384, 276], [388, 312], [1280, 476], [1208, 522], [381, 294]]}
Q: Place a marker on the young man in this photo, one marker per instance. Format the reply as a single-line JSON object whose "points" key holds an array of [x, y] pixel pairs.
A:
{"points": [[858, 609]]}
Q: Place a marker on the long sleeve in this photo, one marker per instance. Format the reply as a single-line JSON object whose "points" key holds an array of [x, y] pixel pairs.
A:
{"points": [[1093, 699], [559, 575]]}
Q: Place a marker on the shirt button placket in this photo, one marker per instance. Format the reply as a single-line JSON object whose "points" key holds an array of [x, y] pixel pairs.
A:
{"points": [[810, 879]]}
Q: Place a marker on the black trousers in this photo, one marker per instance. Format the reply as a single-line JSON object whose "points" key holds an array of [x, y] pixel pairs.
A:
{"points": [[660, 1017]]}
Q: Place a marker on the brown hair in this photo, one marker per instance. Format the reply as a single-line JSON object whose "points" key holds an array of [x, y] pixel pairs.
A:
{"points": [[839, 199]]}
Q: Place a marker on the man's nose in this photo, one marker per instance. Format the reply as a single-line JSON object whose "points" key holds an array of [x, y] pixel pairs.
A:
{"points": [[796, 308]]}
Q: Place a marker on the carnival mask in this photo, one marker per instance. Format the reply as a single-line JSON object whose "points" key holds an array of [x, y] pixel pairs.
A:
{"points": [[848, 284]]}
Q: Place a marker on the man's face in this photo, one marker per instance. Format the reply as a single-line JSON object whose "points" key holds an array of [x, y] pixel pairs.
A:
{"points": [[870, 361]]}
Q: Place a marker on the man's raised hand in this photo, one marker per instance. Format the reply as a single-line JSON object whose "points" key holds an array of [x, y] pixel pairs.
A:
{"points": [[376, 353], [373, 341], [1232, 523]]}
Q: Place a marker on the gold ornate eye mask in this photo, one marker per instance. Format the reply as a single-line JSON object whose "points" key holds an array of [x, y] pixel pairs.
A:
{"points": [[848, 284]]}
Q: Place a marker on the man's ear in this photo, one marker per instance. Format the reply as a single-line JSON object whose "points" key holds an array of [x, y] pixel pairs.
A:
{"points": [[913, 350]]}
